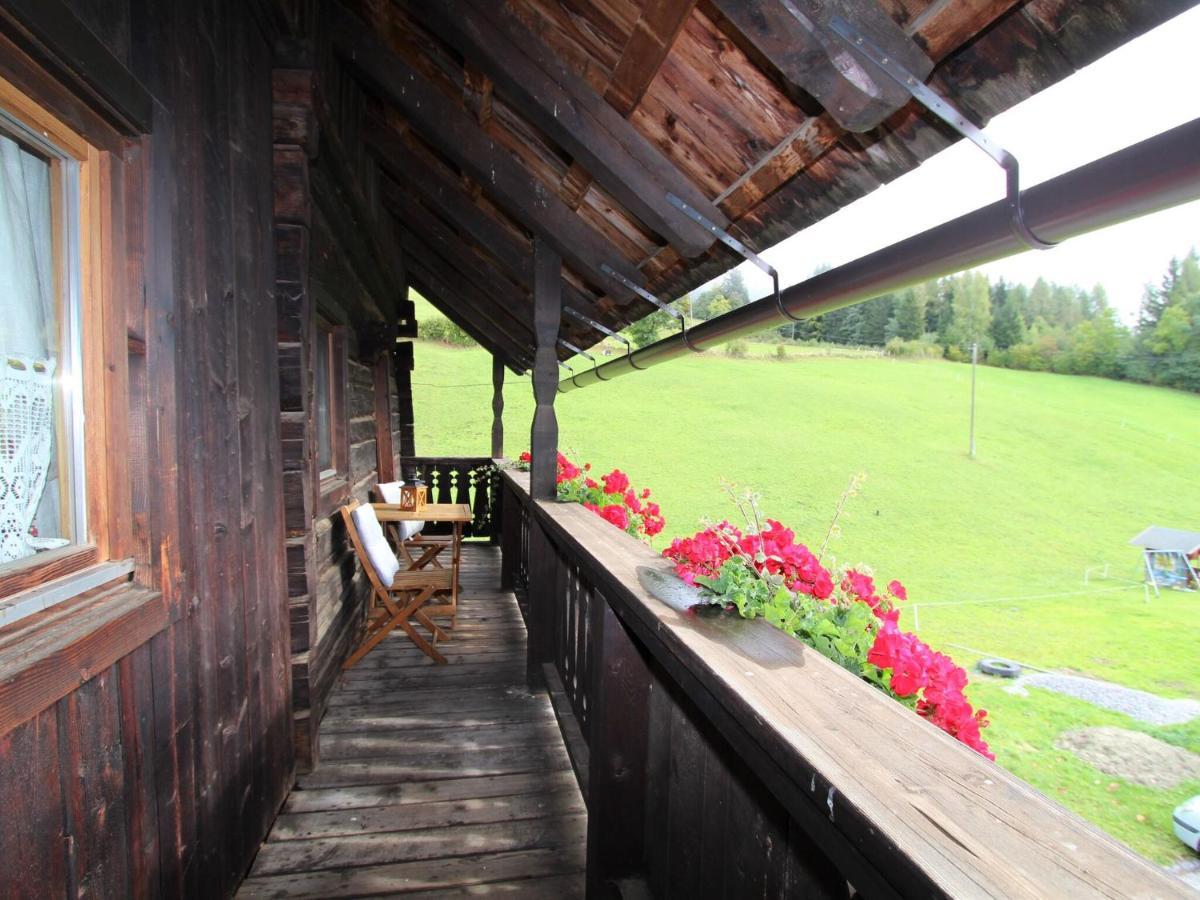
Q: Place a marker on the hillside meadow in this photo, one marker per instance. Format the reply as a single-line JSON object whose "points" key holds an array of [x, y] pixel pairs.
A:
{"points": [[1067, 470]]}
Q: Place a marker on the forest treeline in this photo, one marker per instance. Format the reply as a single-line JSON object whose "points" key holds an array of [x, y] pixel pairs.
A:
{"points": [[1045, 327]]}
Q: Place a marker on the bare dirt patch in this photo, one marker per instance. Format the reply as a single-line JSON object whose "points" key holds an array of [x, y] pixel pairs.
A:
{"points": [[1132, 755]]}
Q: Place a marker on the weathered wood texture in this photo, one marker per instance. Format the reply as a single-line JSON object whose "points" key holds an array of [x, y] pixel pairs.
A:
{"points": [[728, 760], [443, 779], [577, 120], [336, 261], [160, 772]]}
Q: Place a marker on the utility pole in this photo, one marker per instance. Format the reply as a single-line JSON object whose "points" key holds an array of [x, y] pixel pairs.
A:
{"points": [[974, 362]]}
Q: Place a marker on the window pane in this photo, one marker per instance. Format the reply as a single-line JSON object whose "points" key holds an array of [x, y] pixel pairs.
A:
{"points": [[36, 502], [321, 401]]}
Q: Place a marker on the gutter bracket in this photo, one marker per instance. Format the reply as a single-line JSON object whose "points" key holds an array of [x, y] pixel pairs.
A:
{"points": [[948, 113], [578, 352], [604, 329], [650, 298], [563, 365], [736, 246]]}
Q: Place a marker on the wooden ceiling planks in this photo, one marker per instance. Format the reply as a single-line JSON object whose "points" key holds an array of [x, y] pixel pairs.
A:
{"points": [[769, 158], [649, 44], [574, 116]]}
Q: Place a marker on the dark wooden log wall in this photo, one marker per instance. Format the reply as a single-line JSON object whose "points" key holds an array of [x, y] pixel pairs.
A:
{"points": [[339, 262], [161, 772]]}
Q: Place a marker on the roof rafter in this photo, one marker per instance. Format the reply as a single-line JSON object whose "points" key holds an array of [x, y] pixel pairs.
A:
{"points": [[487, 301], [645, 51], [810, 58], [569, 111], [940, 33], [455, 133], [436, 292], [496, 268], [514, 313], [473, 311]]}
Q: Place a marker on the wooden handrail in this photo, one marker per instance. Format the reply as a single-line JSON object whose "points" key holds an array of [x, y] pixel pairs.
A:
{"points": [[898, 806]]}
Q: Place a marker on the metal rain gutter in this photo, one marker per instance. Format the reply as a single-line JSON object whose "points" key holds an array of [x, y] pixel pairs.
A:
{"points": [[1158, 173]]}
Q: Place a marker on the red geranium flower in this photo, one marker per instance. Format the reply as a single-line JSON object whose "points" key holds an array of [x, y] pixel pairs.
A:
{"points": [[615, 482], [616, 514]]}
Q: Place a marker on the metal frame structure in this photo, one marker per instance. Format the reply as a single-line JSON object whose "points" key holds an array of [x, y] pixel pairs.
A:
{"points": [[1187, 580]]}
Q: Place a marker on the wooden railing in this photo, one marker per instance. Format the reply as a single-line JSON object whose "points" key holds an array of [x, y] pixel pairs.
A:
{"points": [[473, 480], [720, 757]]}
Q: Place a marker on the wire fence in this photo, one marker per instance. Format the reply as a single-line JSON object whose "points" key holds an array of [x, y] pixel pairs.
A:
{"points": [[1088, 591]]}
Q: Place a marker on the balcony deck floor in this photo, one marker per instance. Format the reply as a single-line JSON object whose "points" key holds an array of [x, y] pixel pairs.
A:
{"points": [[435, 781]]}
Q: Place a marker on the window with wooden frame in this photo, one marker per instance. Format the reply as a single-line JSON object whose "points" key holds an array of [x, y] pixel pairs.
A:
{"points": [[329, 413], [56, 318]]}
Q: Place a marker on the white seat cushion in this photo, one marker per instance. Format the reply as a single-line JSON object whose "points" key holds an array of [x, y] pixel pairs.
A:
{"points": [[389, 492], [375, 545]]}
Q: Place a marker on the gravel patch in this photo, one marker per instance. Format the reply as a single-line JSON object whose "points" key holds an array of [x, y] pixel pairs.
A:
{"points": [[1140, 705], [1136, 757]]}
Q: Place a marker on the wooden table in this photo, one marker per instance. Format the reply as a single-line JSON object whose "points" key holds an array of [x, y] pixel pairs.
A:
{"points": [[457, 514]]}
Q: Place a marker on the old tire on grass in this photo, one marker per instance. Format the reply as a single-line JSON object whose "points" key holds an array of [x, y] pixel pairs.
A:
{"points": [[1001, 668]]}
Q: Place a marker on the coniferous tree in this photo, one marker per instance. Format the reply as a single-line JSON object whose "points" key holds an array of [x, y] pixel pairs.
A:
{"points": [[1008, 327], [910, 313]]}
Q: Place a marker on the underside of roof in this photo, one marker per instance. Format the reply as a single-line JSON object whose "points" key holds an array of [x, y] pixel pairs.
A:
{"points": [[594, 123]]}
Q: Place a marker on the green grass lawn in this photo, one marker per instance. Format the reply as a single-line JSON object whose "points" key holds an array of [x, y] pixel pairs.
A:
{"points": [[1068, 469]]}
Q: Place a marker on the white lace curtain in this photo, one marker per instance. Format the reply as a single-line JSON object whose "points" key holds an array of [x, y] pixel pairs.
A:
{"points": [[29, 346]]}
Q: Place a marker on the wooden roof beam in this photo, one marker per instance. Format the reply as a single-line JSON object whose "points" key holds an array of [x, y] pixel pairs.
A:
{"points": [[415, 177], [501, 247], [513, 307], [566, 108], [649, 43], [647, 48], [462, 303], [437, 294], [811, 58], [453, 132], [482, 307], [410, 173], [941, 31]]}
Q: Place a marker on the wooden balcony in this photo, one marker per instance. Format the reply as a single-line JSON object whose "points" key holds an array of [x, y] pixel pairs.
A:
{"points": [[716, 757], [435, 777]]}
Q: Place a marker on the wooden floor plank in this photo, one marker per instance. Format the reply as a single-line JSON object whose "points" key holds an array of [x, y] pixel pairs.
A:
{"points": [[348, 851], [415, 816], [468, 763], [557, 887], [377, 718], [418, 792], [406, 878], [435, 781]]}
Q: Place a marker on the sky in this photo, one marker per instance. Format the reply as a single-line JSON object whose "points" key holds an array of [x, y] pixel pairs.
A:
{"points": [[1146, 87]]}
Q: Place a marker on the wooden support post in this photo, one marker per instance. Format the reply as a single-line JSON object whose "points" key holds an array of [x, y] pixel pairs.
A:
{"points": [[382, 383], [497, 407], [617, 769], [402, 357], [547, 311]]}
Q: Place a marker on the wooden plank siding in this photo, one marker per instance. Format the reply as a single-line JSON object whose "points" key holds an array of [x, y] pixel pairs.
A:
{"points": [[435, 778], [160, 766]]}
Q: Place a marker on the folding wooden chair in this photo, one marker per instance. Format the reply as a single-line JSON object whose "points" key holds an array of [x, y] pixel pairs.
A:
{"points": [[407, 536], [396, 596]]}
